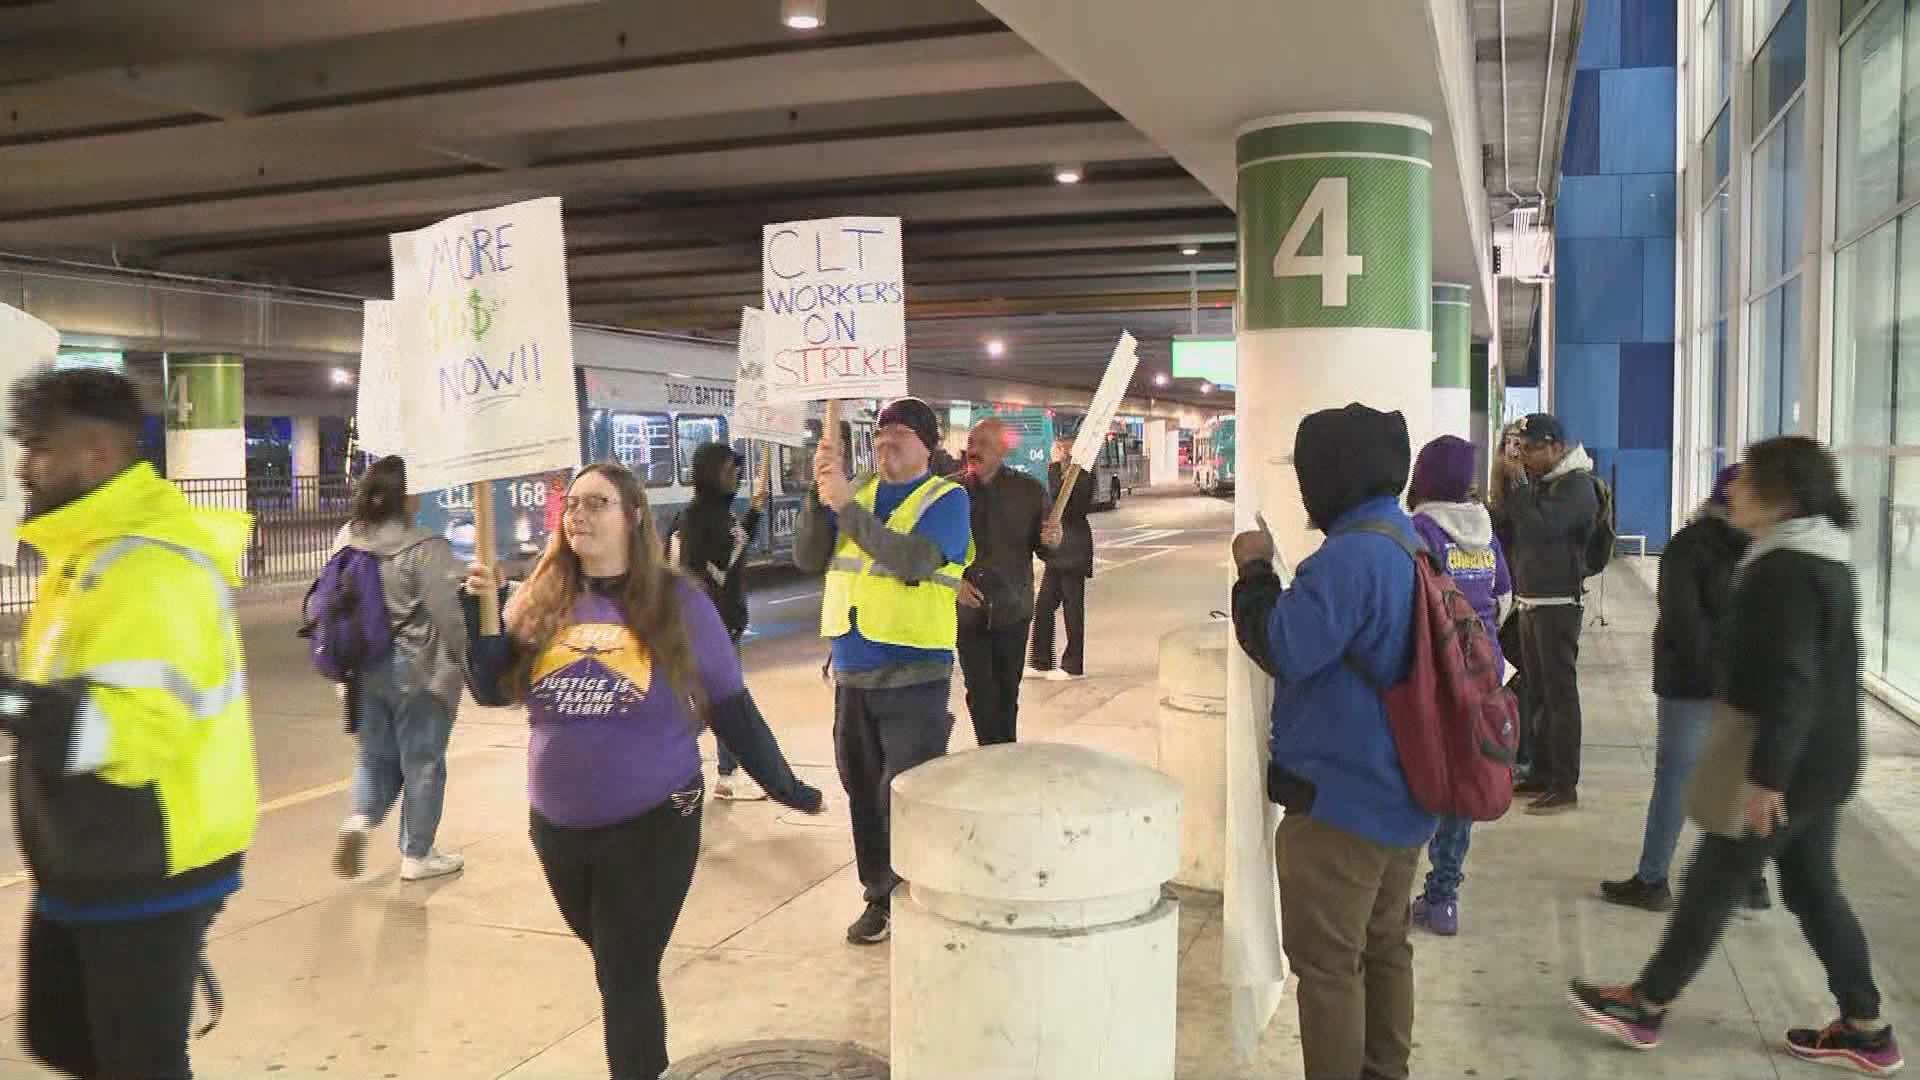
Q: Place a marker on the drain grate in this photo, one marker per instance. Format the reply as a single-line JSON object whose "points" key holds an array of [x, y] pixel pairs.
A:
{"points": [[783, 1059]]}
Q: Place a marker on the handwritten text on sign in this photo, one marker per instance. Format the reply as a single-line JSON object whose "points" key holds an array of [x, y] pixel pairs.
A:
{"points": [[836, 324], [481, 318], [755, 415], [380, 415]]}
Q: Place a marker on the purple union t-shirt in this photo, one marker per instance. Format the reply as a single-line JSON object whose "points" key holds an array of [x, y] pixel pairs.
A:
{"points": [[609, 740]]}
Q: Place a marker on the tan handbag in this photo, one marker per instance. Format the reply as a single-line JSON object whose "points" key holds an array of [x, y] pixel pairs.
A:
{"points": [[1717, 793]]}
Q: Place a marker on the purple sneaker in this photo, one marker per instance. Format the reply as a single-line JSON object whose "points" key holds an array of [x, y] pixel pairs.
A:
{"points": [[1440, 917], [1619, 1012], [1873, 1053]]}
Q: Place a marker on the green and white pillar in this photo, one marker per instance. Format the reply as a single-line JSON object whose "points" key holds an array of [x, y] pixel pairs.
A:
{"points": [[1452, 369], [1336, 271], [206, 418]]}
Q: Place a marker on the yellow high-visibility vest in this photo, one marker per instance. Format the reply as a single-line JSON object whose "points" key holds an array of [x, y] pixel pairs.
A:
{"points": [[918, 615]]}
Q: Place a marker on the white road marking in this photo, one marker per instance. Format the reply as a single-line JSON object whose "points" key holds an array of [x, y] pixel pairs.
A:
{"points": [[793, 599]]}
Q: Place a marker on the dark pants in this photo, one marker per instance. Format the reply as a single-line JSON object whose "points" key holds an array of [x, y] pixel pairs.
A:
{"points": [[993, 663], [786, 786], [1718, 881], [877, 735], [620, 889], [1549, 662], [114, 1001], [1514, 650], [1058, 590]]}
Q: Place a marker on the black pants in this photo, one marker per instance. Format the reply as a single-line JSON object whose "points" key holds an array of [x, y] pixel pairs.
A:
{"points": [[114, 1001], [1723, 871], [877, 735], [1057, 590], [1512, 648], [993, 663], [1550, 663], [620, 889]]}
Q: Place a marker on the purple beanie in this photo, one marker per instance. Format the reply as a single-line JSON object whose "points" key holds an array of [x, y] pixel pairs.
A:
{"points": [[1721, 483], [1443, 472]]}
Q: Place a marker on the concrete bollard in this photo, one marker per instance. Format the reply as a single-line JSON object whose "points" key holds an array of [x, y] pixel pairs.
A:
{"points": [[1036, 939], [1192, 733]]}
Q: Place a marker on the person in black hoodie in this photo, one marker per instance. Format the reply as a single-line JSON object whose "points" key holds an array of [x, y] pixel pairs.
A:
{"points": [[710, 545], [1790, 661], [1069, 564], [1696, 573]]}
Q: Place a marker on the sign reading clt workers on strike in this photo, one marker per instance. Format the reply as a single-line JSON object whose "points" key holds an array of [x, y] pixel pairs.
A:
{"points": [[755, 414], [26, 343], [482, 331], [836, 312], [1106, 402], [379, 418]]}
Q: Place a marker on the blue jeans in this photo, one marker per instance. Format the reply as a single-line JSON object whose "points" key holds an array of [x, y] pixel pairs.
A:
{"points": [[1447, 859], [403, 750], [1682, 728]]}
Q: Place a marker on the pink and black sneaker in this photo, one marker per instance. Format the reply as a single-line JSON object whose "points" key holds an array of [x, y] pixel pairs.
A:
{"points": [[1873, 1053], [1619, 1012]]}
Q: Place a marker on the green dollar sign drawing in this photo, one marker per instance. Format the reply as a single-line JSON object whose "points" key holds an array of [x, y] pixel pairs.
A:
{"points": [[482, 319]]}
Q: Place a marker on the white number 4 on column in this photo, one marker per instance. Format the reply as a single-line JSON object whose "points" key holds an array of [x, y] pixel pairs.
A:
{"points": [[1327, 203]]}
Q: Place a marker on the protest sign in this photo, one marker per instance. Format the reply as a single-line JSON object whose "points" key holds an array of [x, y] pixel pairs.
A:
{"points": [[25, 344], [1106, 401], [380, 417], [755, 414], [481, 331], [835, 324]]}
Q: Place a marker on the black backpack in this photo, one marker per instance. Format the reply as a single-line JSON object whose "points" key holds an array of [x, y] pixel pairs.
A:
{"points": [[1605, 535]]}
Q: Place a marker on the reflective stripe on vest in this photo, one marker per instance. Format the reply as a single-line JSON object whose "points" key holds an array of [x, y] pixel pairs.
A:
{"points": [[893, 611]]}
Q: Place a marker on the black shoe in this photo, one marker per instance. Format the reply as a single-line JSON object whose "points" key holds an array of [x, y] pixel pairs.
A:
{"points": [[1635, 893], [874, 926], [1553, 802], [1529, 787], [1759, 897]]}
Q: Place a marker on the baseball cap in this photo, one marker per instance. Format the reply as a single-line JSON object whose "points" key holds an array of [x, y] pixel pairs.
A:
{"points": [[1542, 428]]}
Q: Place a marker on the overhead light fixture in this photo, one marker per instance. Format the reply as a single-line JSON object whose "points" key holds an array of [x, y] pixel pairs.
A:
{"points": [[1206, 388], [1068, 174], [803, 14], [996, 347], [1160, 379], [1189, 251], [342, 377]]}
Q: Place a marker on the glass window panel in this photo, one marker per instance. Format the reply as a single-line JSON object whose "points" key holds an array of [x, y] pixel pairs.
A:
{"points": [[1910, 105], [1870, 119], [1868, 478], [693, 432], [1713, 63], [1781, 66], [1713, 269], [1717, 148], [1775, 352], [1864, 298], [1906, 405], [1901, 555], [1764, 13], [643, 442], [1722, 425], [1779, 196], [1851, 9]]}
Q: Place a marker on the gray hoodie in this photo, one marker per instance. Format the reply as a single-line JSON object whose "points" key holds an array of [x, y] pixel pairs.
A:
{"points": [[422, 580]]}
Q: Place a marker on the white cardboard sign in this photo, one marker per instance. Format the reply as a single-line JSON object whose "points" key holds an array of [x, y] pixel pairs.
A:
{"points": [[1106, 402], [26, 343], [836, 312], [380, 414], [483, 334], [755, 414]]}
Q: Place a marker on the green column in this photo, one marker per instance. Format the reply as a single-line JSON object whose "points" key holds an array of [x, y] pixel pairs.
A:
{"points": [[206, 418], [1452, 335], [1336, 271]]}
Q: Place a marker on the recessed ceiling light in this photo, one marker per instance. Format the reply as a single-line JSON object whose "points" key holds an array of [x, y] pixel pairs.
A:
{"points": [[342, 377], [803, 14], [1206, 388], [1160, 379], [1068, 174], [996, 347], [1189, 251]]}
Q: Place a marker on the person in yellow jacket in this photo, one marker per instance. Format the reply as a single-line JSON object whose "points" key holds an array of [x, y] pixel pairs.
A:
{"points": [[134, 767], [893, 545]]}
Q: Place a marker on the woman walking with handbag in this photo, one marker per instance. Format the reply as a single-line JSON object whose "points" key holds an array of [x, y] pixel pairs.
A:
{"points": [[1784, 755]]}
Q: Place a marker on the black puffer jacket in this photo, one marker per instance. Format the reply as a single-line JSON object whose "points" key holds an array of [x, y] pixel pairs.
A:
{"points": [[1074, 556], [1007, 512], [1696, 573], [706, 537]]}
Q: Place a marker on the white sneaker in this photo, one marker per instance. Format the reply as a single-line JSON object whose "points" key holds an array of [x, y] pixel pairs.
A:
{"points": [[739, 788], [350, 851], [1061, 675], [1036, 673], [436, 864]]}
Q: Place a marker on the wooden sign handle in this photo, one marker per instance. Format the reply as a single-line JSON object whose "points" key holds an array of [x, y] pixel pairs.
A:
{"points": [[484, 552], [1067, 481], [830, 428]]}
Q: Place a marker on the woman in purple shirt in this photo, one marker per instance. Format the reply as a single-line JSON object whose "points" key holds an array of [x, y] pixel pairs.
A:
{"points": [[1459, 531], [620, 663]]}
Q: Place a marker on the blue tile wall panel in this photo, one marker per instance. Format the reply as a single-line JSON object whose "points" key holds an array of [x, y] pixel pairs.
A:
{"points": [[1589, 206], [1600, 35], [1586, 392], [1647, 33], [1642, 493], [1646, 396], [1656, 311], [1637, 107], [1581, 154], [1598, 297], [1646, 205]]}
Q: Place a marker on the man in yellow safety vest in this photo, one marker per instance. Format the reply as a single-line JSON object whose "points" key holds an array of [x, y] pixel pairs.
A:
{"points": [[134, 772], [894, 545]]}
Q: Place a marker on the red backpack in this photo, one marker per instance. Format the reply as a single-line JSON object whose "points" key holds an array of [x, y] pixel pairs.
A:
{"points": [[1455, 724]]}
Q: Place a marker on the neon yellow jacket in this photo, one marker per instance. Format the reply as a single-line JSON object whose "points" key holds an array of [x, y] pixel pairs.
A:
{"points": [[892, 611], [145, 791]]}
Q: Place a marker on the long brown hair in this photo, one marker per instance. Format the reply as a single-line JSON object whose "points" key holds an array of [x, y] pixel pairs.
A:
{"points": [[544, 606]]}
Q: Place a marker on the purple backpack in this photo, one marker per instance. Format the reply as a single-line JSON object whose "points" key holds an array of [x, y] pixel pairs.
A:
{"points": [[347, 627]]}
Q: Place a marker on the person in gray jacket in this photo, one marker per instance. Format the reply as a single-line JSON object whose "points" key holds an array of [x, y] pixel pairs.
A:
{"points": [[402, 709]]}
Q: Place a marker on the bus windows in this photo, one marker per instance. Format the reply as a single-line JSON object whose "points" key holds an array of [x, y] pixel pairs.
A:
{"points": [[796, 469], [643, 442], [693, 432]]}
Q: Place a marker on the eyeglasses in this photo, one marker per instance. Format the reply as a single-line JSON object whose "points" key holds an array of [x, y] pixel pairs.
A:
{"points": [[591, 504]]}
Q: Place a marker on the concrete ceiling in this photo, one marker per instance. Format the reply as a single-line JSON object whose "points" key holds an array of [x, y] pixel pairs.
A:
{"points": [[280, 141]]}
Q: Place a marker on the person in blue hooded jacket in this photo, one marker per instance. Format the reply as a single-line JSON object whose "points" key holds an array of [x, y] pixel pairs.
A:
{"points": [[1349, 845]]}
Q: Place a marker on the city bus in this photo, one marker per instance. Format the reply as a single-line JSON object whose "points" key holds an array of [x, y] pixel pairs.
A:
{"points": [[1213, 457]]}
